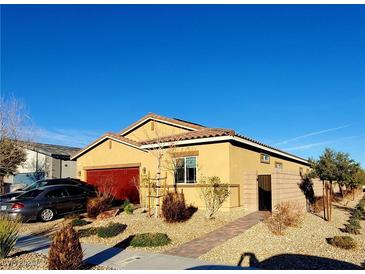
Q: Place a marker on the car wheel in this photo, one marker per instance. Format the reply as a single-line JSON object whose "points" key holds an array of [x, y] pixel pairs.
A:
{"points": [[47, 214]]}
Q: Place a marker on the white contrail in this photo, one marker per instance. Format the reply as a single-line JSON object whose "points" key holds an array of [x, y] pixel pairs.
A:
{"points": [[310, 134], [307, 146]]}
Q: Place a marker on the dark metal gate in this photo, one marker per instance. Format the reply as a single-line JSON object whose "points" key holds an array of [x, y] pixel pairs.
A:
{"points": [[264, 186]]}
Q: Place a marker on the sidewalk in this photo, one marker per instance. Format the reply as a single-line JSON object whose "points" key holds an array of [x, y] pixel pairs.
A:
{"points": [[118, 258], [205, 243]]}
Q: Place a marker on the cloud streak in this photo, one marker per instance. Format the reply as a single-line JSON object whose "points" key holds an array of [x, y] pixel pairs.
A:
{"points": [[66, 137], [311, 145], [310, 134]]}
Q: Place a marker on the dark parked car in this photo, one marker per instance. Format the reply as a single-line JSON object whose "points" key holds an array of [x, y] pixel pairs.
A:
{"points": [[46, 182], [45, 203]]}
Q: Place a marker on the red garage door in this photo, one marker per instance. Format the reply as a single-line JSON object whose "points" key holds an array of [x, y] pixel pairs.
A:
{"points": [[121, 182]]}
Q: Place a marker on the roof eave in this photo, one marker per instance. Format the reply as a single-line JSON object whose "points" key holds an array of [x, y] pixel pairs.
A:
{"points": [[102, 139]]}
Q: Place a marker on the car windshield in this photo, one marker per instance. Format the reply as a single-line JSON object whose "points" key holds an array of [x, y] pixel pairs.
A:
{"points": [[30, 194], [35, 185]]}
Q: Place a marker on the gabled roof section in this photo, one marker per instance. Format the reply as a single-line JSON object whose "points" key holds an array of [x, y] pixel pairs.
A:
{"points": [[159, 118], [197, 134], [111, 136]]}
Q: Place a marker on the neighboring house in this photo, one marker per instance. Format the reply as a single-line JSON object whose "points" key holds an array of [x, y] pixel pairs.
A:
{"points": [[258, 175], [43, 161]]}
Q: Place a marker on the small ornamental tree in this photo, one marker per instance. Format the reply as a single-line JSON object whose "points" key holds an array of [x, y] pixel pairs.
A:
{"points": [[346, 168], [214, 193], [336, 167], [357, 179], [326, 169]]}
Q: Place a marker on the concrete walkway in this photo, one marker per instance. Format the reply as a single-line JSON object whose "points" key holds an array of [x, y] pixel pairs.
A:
{"points": [[119, 258], [205, 243]]}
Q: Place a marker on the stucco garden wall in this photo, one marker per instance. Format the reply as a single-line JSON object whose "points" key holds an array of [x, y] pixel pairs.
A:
{"points": [[284, 187]]}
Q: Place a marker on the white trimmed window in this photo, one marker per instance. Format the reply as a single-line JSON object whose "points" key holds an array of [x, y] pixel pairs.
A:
{"points": [[185, 170]]}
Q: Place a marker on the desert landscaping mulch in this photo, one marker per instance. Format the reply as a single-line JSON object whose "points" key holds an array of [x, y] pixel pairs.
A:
{"points": [[179, 233], [139, 222], [23, 260], [304, 247]]}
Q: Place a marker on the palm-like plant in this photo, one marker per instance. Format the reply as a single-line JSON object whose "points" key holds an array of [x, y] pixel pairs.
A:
{"points": [[9, 230]]}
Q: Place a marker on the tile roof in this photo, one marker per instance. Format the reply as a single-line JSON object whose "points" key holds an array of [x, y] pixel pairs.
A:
{"points": [[50, 149], [199, 133], [112, 135], [123, 139], [162, 118], [203, 133], [207, 133], [109, 135], [262, 144]]}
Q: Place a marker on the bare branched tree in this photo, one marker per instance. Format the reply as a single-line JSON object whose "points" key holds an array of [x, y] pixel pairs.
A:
{"points": [[214, 193], [12, 132], [158, 153], [164, 154]]}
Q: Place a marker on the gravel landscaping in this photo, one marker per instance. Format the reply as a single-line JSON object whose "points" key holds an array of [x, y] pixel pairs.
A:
{"points": [[19, 259], [138, 222], [179, 233], [305, 247], [297, 244]]}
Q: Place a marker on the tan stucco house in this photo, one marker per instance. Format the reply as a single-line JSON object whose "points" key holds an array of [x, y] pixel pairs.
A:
{"points": [[259, 176]]}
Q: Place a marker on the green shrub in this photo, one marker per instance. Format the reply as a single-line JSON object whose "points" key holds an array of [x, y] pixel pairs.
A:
{"points": [[345, 242], [87, 232], [357, 214], [111, 230], [353, 227], [360, 208], [125, 203], [362, 202], [150, 239], [129, 208], [354, 222], [79, 222], [65, 252], [9, 229]]}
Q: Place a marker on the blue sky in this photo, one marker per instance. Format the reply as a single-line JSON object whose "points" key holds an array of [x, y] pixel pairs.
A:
{"points": [[291, 76]]}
